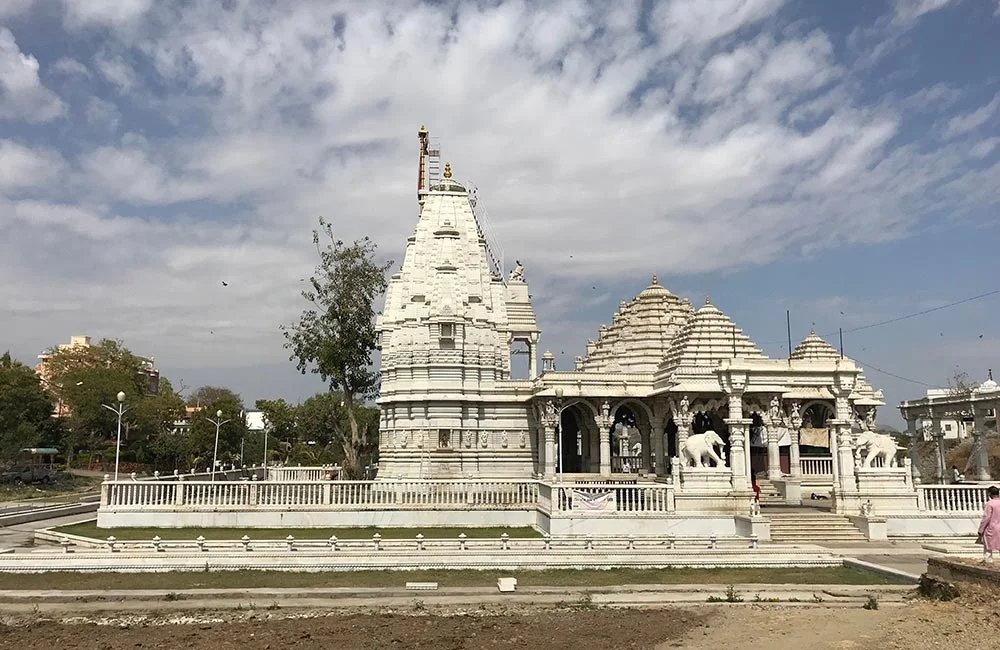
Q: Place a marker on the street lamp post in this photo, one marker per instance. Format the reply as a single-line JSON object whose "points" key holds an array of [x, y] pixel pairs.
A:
{"points": [[120, 411], [559, 445], [218, 422]]}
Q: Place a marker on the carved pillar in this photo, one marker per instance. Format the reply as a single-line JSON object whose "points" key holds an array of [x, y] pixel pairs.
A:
{"points": [[845, 496], [773, 453], [794, 461], [533, 356], [603, 421], [550, 450], [658, 424], [548, 419], [738, 430]]}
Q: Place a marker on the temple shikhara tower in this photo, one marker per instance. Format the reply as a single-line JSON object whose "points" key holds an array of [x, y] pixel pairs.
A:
{"points": [[664, 387], [449, 408]]}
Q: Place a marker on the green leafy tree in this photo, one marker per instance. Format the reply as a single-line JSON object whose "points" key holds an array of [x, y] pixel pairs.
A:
{"points": [[152, 421], [207, 395], [281, 425], [231, 434], [336, 335], [25, 408]]}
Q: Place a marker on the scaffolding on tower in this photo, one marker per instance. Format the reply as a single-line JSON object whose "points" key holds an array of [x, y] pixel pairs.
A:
{"points": [[494, 250]]}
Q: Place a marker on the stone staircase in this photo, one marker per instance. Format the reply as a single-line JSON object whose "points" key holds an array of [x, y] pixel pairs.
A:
{"points": [[768, 493], [790, 525]]}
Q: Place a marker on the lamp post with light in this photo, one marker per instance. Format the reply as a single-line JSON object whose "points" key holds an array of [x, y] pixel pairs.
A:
{"points": [[120, 411], [559, 445], [218, 422]]}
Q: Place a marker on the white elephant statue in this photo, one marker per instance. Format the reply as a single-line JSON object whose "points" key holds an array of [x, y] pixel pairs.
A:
{"points": [[698, 446], [876, 445]]}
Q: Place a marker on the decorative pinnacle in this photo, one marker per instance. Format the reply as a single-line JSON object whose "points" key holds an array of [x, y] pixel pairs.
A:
{"points": [[447, 170], [422, 130], [812, 332], [707, 301], [654, 278]]}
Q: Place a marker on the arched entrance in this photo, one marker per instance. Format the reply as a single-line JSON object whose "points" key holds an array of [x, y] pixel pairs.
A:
{"points": [[626, 442]]}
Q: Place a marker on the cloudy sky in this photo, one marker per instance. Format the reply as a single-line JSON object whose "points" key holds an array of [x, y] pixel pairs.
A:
{"points": [[837, 159]]}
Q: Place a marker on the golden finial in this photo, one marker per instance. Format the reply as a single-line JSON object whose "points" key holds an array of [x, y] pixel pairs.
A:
{"points": [[654, 278], [707, 301], [447, 170], [422, 130]]}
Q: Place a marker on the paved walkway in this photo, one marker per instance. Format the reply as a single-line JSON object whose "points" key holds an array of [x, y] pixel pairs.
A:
{"points": [[23, 535]]}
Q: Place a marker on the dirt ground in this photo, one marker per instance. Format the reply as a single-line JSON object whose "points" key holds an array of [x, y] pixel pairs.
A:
{"points": [[971, 623]]}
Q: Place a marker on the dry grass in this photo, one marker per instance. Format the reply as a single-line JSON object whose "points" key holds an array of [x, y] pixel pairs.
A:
{"points": [[445, 578]]}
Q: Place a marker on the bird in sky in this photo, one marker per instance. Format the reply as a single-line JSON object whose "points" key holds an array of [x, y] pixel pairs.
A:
{"points": [[225, 284]]}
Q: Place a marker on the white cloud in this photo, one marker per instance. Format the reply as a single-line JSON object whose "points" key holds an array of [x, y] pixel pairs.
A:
{"points": [[22, 95], [962, 124], [103, 114], [910, 10], [724, 139], [112, 13], [116, 71], [23, 168], [985, 147], [70, 67], [15, 8]]}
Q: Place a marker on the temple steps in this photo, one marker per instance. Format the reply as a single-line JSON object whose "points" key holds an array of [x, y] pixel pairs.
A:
{"points": [[769, 495], [811, 526]]}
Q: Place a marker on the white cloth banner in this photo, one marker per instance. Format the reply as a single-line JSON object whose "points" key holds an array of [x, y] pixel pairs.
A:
{"points": [[600, 502]]}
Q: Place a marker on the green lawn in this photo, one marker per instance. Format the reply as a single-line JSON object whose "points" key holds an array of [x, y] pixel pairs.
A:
{"points": [[90, 529], [445, 578]]}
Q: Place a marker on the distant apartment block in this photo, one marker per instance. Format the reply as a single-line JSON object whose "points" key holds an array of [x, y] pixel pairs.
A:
{"points": [[148, 371]]}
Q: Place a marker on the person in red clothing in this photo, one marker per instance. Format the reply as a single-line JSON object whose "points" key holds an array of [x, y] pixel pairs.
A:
{"points": [[756, 488]]}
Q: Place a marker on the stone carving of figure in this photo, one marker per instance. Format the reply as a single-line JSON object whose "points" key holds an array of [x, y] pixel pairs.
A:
{"points": [[483, 438], [685, 407], [870, 419], [503, 439], [606, 410], [524, 440], [796, 416], [550, 411], [774, 411], [517, 275], [405, 440]]}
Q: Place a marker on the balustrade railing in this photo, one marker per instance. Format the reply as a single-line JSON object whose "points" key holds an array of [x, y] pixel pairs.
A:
{"points": [[312, 495], [588, 497], [124, 496], [321, 473], [952, 498], [816, 465]]}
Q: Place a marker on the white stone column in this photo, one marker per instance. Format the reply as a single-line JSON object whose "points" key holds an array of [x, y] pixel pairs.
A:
{"points": [[533, 357], [846, 496], [604, 432], [794, 460], [773, 454], [982, 457], [550, 450], [659, 422], [739, 461]]}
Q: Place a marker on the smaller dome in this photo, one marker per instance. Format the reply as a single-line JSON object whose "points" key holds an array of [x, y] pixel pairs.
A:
{"points": [[814, 348], [548, 355]]}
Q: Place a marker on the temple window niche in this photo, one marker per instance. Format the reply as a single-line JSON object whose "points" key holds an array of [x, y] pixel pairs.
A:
{"points": [[446, 336]]}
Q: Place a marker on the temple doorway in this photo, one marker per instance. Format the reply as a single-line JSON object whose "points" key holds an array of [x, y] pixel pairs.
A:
{"points": [[626, 442], [571, 452]]}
